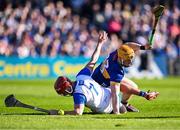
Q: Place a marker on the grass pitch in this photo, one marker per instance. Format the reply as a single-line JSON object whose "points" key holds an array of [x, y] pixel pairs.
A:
{"points": [[160, 114]]}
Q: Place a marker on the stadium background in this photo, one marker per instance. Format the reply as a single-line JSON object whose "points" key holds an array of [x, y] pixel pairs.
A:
{"points": [[45, 38], [41, 39]]}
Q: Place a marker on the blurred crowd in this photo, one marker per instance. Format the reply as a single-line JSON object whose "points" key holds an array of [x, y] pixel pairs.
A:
{"points": [[70, 27]]}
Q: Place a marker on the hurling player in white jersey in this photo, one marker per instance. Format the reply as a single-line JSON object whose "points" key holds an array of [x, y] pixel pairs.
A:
{"points": [[86, 92]]}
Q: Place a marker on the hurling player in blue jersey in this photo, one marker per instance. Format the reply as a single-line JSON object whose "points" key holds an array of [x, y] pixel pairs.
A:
{"points": [[87, 92], [111, 73]]}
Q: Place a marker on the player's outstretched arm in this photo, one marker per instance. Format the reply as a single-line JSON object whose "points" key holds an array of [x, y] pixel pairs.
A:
{"points": [[78, 110], [137, 47], [101, 40]]}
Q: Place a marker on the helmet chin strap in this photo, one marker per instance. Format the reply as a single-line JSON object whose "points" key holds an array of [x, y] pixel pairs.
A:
{"points": [[121, 62]]}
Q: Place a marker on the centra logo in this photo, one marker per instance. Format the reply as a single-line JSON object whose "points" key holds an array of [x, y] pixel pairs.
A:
{"points": [[23, 69]]}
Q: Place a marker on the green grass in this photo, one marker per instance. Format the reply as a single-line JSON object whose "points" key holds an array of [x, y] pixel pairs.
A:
{"points": [[160, 114]]}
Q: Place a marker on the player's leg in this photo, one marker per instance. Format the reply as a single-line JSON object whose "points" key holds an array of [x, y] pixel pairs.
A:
{"points": [[126, 85]]}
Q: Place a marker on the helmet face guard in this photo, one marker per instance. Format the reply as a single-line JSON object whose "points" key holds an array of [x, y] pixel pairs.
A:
{"points": [[125, 55], [63, 86], [68, 90], [126, 63]]}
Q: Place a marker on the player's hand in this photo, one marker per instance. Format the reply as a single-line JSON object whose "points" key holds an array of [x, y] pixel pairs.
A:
{"points": [[148, 46], [151, 95], [102, 37]]}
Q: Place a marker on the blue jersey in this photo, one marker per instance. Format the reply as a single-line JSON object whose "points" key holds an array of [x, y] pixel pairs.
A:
{"points": [[109, 70]]}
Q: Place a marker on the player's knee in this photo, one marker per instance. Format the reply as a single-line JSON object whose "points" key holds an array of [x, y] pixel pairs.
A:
{"points": [[135, 85], [129, 82]]}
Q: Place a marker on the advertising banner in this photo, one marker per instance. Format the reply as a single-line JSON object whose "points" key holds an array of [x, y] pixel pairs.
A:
{"points": [[38, 67]]}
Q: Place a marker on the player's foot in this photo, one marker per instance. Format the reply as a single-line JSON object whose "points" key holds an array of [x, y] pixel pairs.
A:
{"points": [[130, 108]]}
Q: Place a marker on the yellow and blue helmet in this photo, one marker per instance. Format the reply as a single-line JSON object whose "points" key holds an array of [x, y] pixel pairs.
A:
{"points": [[125, 55]]}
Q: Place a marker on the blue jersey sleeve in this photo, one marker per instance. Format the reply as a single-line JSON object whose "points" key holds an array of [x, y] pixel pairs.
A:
{"points": [[116, 78], [79, 98], [85, 71]]}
